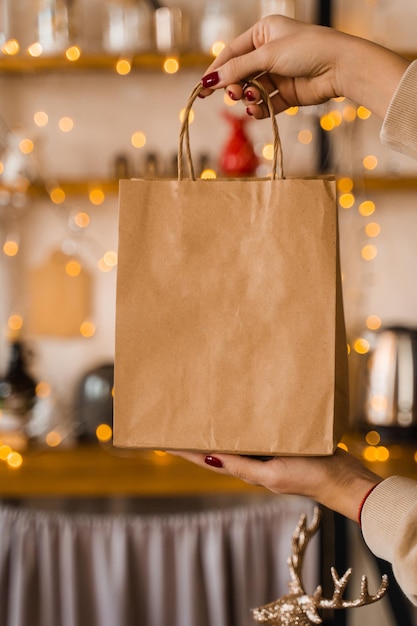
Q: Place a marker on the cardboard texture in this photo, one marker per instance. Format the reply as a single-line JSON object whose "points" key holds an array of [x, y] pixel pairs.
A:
{"points": [[230, 331]]}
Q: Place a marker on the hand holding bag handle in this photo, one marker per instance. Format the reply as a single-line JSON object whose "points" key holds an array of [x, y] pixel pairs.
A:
{"points": [[277, 165]]}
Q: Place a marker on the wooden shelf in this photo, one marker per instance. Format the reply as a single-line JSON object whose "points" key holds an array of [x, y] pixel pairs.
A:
{"points": [[92, 470], [104, 471], [22, 64], [109, 187]]}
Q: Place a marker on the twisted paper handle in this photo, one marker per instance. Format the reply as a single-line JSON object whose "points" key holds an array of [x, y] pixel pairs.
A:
{"points": [[277, 165]]}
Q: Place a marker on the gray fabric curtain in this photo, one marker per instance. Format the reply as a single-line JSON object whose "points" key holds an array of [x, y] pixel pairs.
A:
{"points": [[178, 569]]}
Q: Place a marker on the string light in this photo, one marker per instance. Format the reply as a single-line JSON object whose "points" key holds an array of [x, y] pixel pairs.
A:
{"points": [[305, 137], [369, 252], [73, 53], [345, 185], [10, 47], [104, 433], [373, 322], [363, 113], [373, 229], [346, 200], [14, 460], [138, 139], [366, 208], [66, 124], [57, 195], [73, 268], [361, 345], [171, 65], [10, 248], [82, 219], [217, 47], [35, 49], [87, 329], [268, 151], [26, 146], [15, 322], [291, 111], [372, 438], [53, 439], [96, 196], [208, 174], [370, 162], [40, 118], [123, 67], [43, 389]]}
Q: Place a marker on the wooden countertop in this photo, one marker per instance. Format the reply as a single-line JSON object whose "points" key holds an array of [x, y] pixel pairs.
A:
{"points": [[95, 470]]}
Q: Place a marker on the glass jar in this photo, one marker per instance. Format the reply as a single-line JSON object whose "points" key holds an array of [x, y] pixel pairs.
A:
{"points": [[217, 26], [277, 7], [127, 26], [54, 24], [4, 21]]}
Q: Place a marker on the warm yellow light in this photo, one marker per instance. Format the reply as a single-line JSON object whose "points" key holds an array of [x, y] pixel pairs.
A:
{"points": [[35, 50], [138, 139], [369, 252], [73, 268], [361, 345], [102, 266], [373, 322], [343, 446], [14, 460], [349, 113], [327, 122], [82, 219], [53, 439], [66, 124], [110, 258], [379, 403], [171, 66], [123, 67], [41, 118], [43, 389], [1, 168], [73, 53], [217, 47], [87, 329], [268, 151], [366, 208], [305, 137], [363, 113], [369, 454], [415, 457], [339, 99], [370, 162], [291, 111], [96, 196], [10, 248], [228, 100], [57, 195], [336, 116], [26, 146], [382, 453], [345, 185], [160, 453], [104, 433], [15, 322], [373, 229], [372, 438], [208, 174], [191, 116], [4, 452], [346, 200], [10, 47]]}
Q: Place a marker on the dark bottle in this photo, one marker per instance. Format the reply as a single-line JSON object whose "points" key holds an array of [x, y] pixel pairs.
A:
{"points": [[17, 391]]}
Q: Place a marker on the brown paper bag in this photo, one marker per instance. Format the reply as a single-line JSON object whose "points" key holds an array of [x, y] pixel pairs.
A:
{"points": [[230, 332]]}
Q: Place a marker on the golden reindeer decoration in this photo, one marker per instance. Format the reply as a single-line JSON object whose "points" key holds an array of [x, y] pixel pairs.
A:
{"points": [[300, 609]]}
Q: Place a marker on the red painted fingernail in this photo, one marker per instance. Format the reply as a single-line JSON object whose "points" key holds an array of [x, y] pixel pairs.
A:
{"points": [[213, 461], [200, 95], [249, 96], [210, 80], [248, 111], [231, 95]]}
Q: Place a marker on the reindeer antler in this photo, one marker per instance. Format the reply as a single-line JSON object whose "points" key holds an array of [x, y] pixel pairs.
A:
{"points": [[300, 539], [340, 583]]}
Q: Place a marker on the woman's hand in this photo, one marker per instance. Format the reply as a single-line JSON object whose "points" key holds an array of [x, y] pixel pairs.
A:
{"points": [[305, 64], [339, 482]]}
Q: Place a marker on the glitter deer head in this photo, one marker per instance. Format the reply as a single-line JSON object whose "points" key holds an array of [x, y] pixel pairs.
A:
{"points": [[300, 609]]}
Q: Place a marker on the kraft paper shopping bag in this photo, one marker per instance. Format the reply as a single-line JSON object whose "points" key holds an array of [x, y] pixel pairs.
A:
{"points": [[229, 326]]}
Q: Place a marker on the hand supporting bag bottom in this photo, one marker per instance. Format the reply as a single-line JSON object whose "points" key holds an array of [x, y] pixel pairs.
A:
{"points": [[229, 325]]}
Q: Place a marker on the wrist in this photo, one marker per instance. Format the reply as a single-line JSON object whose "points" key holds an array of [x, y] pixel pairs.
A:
{"points": [[369, 74]]}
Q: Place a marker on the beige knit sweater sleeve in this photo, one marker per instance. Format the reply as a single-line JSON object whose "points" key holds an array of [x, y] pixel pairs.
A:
{"points": [[389, 527], [389, 515], [399, 130]]}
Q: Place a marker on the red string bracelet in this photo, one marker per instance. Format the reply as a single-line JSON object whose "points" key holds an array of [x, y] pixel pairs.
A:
{"points": [[368, 493]]}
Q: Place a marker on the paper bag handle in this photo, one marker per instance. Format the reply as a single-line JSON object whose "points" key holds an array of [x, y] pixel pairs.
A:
{"points": [[277, 166]]}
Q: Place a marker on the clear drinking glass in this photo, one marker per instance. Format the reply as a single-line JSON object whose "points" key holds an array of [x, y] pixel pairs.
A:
{"points": [[54, 22]]}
